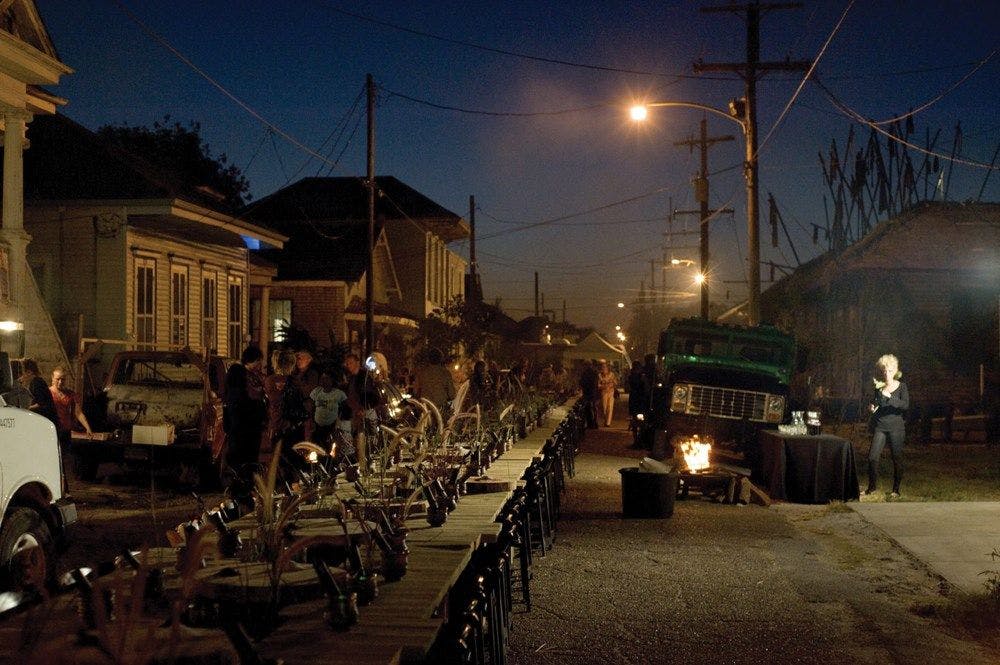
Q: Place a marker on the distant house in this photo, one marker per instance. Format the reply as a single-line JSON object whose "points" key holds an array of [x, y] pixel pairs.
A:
{"points": [[28, 60], [122, 252], [924, 286], [321, 271]]}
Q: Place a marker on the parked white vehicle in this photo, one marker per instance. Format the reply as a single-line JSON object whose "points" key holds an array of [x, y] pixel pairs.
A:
{"points": [[34, 514]]}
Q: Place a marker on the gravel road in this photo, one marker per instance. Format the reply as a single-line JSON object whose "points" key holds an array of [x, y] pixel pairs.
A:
{"points": [[723, 584]]}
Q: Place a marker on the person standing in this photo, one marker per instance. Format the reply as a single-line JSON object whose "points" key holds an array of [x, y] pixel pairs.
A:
{"points": [[607, 385], [325, 403], [888, 408], [41, 397], [434, 381], [638, 398], [69, 411], [244, 413], [283, 363]]}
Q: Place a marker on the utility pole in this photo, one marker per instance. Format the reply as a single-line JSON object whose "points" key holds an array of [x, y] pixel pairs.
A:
{"points": [[537, 312], [746, 110], [473, 289], [701, 194], [370, 268]]}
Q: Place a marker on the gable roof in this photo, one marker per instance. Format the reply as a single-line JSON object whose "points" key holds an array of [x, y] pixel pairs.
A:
{"points": [[67, 162], [314, 252], [331, 201], [933, 235]]}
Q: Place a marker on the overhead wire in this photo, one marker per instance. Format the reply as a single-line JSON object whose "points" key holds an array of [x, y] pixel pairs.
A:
{"points": [[857, 117], [501, 114], [507, 52], [218, 86], [942, 95], [802, 83]]}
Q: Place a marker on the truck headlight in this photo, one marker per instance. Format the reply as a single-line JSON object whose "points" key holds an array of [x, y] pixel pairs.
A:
{"points": [[679, 397], [774, 408]]}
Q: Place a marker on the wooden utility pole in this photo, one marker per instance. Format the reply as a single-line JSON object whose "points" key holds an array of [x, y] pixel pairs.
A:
{"points": [[473, 289], [537, 309], [746, 110], [701, 194], [370, 268]]}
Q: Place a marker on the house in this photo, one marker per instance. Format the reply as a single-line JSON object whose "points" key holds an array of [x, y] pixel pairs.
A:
{"points": [[321, 274], [924, 286], [124, 253], [28, 60]]}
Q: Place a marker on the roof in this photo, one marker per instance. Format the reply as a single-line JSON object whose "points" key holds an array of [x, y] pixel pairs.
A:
{"points": [[317, 251], [328, 202], [931, 236], [67, 162]]}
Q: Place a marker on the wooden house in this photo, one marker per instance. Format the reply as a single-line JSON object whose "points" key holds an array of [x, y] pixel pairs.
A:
{"points": [[122, 252], [28, 60], [924, 286], [320, 282]]}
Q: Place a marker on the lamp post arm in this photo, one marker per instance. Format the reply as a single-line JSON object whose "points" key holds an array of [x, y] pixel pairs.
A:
{"points": [[701, 107]]}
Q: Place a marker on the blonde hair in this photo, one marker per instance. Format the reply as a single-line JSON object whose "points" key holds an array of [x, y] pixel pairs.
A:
{"points": [[884, 363]]}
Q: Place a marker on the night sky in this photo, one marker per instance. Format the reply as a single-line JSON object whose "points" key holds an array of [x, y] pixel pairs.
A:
{"points": [[301, 65]]}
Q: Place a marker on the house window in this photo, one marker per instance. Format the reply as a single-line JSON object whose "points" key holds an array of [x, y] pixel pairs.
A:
{"points": [[280, 316], [235, 316], [209, 310], [145, 303], [179, 306]]}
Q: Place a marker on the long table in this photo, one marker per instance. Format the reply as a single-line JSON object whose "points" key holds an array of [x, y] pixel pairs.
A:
{"points": [[808, 468], [402, 623]]}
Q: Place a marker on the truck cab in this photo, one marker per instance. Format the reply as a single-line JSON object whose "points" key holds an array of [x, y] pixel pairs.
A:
{"points": [[35, 515], [161, 409], [721, 382]]}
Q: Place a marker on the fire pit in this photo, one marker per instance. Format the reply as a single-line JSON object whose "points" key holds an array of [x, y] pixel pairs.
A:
{"points": [[717, 481]]}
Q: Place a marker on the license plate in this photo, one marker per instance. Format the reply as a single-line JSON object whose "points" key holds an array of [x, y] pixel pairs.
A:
{"points": [[136, 454]]}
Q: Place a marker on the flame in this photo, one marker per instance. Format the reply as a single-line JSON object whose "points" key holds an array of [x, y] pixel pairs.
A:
{"points": [[695, 453]]}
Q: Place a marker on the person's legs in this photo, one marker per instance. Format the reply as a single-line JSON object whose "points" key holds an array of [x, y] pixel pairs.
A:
{"points": [[609, 407], [896, 438], [874, 452]]}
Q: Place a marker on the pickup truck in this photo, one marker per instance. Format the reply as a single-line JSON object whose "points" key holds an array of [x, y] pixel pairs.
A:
{"points": [[722, 382], [162, 411], [35, 516]]}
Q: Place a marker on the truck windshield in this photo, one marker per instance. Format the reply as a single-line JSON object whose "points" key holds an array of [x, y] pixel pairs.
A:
{"points": [[148, 372], [707, 345]]}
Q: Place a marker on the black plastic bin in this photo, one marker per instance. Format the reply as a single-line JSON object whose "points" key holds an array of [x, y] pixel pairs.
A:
{"points": [[647, 494]]}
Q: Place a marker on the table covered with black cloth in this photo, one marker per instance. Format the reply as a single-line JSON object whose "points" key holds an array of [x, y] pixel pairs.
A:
{"points": [[807, 468]]}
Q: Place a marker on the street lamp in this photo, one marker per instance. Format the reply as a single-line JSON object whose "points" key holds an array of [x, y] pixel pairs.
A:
{"points": [[681, 262], [739, 113]]}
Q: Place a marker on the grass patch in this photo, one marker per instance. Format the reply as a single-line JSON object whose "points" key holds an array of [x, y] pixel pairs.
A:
{"points": [[938, 472], [975, 616]]}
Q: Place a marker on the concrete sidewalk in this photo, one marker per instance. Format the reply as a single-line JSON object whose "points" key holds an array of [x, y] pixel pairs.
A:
{"points": [[954, 539]]}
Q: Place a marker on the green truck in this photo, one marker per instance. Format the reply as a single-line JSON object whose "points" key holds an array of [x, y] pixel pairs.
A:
{"points": [[722, 382]]}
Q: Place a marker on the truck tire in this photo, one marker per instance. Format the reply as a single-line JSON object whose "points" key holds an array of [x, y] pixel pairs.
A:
{"points": [[27, 550]]}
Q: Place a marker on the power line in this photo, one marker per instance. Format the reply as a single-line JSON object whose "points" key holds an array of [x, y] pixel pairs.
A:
{"points": [[501, 114], [514, 54], [857, 117]]}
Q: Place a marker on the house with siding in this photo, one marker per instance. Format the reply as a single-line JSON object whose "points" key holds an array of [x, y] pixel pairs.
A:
{"points": [[924, 285], [28, 60], [321, 271], [124, 253]]}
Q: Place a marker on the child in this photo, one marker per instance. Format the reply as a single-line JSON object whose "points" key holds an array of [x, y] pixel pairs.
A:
{"points": [[325, 402]]}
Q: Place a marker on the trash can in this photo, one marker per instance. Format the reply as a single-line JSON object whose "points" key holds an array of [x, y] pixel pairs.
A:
{"points": [[647, 494]]}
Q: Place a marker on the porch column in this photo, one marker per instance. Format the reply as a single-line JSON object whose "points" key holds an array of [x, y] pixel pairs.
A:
{"points": [[12, 231], [265, 320]]}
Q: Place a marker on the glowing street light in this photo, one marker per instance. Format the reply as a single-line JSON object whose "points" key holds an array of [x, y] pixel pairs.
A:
{"points": [[621, 305], [738, 112], [699, 278], [681, 262]]}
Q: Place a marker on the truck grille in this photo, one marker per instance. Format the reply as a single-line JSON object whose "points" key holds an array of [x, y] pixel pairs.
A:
{"points": [[726, 403]]}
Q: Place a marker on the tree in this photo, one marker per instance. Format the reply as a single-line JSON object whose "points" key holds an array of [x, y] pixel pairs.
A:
{"points": [[182, 153]]}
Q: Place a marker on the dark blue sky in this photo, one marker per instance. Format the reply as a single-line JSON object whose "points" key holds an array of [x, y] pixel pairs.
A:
{"points": [[302, 66]]}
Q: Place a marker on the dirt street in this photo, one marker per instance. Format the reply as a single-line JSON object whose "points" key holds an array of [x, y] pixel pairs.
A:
{"points": [[723, 584]]}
